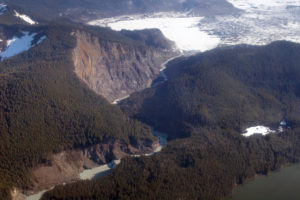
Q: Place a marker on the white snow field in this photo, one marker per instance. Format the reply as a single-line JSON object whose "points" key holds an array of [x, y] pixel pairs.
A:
{"points": [[260, 22], [25, 18], [18, 45], [261, 130], [177, 27]]}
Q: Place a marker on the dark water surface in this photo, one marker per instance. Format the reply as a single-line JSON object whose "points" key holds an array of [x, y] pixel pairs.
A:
{"points": [[278, 185]]}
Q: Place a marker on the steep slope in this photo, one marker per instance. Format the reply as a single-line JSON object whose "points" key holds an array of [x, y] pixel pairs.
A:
{"points": [[228, 88], [115, 69], [209, 99], [45, 109]]}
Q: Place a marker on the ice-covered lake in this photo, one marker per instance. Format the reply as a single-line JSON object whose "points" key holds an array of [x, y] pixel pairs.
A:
{"points": [[178, 27], [259, 23]]}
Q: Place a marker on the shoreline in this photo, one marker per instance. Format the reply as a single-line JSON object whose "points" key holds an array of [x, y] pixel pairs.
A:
{"points": [[257, 175], [103, 170]]}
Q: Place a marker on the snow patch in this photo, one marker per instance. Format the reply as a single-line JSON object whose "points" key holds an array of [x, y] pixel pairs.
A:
{"points": [[261, 130], [18, 45], [25, 18], [2, 8], [41, 39], [283, 123], [178, 27]]}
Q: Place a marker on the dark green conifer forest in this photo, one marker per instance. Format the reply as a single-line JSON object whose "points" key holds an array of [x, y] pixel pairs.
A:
{"points": [[45, 108], [204, 107]]}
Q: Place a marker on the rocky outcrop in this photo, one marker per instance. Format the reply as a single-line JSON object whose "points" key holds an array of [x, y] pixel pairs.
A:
{"points": [[66, 166], [116, 69], [17, 194]]}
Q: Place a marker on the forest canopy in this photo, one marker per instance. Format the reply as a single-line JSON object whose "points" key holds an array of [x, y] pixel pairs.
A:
{"points": [[208, 100]]}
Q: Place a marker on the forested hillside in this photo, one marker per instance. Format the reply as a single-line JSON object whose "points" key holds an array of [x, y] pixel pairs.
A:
{"points": [[228, 88], [207, 166], [209, 100], [45, 108]]}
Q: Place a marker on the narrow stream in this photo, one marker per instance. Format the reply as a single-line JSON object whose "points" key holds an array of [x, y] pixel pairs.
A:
{"points": [[163, 66], [162, 70], [105, 169]]}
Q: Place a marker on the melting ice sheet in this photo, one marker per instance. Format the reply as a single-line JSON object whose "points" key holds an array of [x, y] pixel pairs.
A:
{"points": [[177, 27], [260, 22]]}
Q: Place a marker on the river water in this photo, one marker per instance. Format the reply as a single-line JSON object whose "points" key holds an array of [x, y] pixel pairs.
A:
{"points": [[105, 169], [278, 185]]}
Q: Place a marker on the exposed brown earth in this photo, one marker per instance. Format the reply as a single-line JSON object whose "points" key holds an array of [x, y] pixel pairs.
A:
{"points": [[66, 166], [116, 69]]}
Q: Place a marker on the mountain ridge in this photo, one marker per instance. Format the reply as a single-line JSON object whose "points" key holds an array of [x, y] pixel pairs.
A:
{"points": [[86, 10], [46, 109], [204, 107]]}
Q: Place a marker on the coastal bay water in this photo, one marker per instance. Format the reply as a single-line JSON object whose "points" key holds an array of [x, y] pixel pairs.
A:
{"points": [[278, 185]]}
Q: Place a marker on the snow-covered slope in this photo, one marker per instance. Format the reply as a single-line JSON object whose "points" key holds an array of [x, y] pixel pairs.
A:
{"points": [[25, 18], [18, 45]]}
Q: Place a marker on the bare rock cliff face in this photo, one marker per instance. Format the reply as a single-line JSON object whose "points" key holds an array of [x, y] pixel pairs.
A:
{"points": [[66, 166], [115, 69]]}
